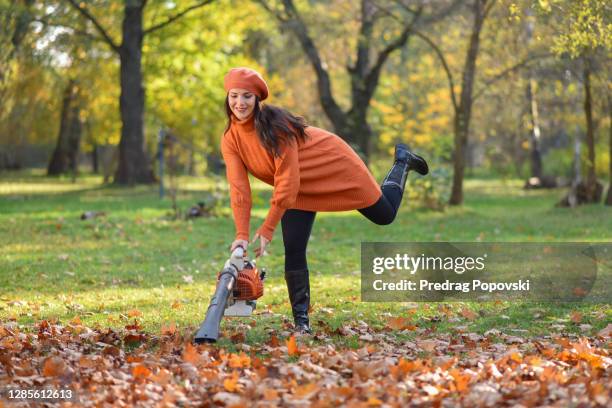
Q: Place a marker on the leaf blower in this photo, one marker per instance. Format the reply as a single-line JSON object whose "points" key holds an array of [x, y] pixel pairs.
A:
{"points": [[239, 285]]}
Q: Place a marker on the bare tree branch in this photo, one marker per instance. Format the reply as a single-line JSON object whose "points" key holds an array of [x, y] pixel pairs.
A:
{"points": [[508, 70], [404, 6], [399, 42], [294, 22], [488, 8], [428, 18], [276, 13], [449, 75], [176, 16], [366, 70], [90, 17], [364, 38], [73, 30], [441, 14]]}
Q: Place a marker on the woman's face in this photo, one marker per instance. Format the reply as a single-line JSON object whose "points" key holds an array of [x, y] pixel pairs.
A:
{"points": [[241, 102]]}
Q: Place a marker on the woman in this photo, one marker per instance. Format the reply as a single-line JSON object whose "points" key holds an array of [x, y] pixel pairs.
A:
{"points": [[311, 170]]}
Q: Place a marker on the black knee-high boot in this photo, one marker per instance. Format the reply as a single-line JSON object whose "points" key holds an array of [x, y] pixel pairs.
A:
{"points": [[298, 284], [405, 161]]}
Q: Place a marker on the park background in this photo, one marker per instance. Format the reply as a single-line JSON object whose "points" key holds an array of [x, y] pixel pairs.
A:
{"points": [[508, 100]]}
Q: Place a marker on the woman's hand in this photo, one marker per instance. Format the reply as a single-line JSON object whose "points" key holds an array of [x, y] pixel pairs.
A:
{"points": [[239, 242], [263, 243]]}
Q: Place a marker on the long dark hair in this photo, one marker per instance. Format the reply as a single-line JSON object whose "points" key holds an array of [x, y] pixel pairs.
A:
{"points": [[274, 125]]}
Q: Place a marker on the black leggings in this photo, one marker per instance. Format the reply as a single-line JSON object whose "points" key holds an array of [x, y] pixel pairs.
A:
{"points": [[297, 225]]}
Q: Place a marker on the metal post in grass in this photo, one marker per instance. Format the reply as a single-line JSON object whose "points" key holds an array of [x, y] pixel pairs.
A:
{"points": [[160, 156]]}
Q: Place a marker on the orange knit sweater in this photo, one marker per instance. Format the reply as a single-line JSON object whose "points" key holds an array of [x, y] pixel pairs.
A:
{"points": [[321, 174]]}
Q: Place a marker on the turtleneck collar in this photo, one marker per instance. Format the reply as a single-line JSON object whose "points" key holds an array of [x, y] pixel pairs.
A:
{"points": [[247, 125]]}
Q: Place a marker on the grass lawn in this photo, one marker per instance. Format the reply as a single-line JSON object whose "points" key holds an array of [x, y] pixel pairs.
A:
{"points": [[136, 262]]}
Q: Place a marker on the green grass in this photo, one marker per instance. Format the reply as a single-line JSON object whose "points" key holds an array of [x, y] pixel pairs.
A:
{"points": [[53, 265]]}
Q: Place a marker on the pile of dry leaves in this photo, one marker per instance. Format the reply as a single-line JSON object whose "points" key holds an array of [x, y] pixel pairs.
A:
{"points": [[130, 367]]}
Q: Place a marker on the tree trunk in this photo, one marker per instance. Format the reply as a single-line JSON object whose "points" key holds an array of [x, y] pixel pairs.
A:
{"points": [[572, 199], [591, 179], [352, 124], [134, 164], [463, 111], [95, 167], [590, 134], [517, 152], [460, 143], [534, 134], [191, 165], [66, 151], [609, 196], [356, 131], [363, 133], [577, 157]]}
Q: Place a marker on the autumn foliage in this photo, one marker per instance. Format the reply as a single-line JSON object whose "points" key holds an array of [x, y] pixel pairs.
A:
{"points": [[131, 367]]}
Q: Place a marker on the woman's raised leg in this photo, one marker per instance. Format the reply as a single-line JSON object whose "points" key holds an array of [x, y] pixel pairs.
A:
{"points": [[383, 212]]}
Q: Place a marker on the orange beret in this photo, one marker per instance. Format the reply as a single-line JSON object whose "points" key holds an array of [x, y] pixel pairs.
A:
{"points": [[248, 79]]}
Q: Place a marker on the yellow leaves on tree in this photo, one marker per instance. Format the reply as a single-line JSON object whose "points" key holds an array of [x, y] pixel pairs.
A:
{"points": [[416, 113]]}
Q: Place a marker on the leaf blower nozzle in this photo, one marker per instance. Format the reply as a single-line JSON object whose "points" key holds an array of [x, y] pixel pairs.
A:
{"points": [[239, 284]]}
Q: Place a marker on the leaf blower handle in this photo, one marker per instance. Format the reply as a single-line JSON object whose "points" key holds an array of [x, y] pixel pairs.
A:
{"points": [[238, 251], [236, 258]]}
